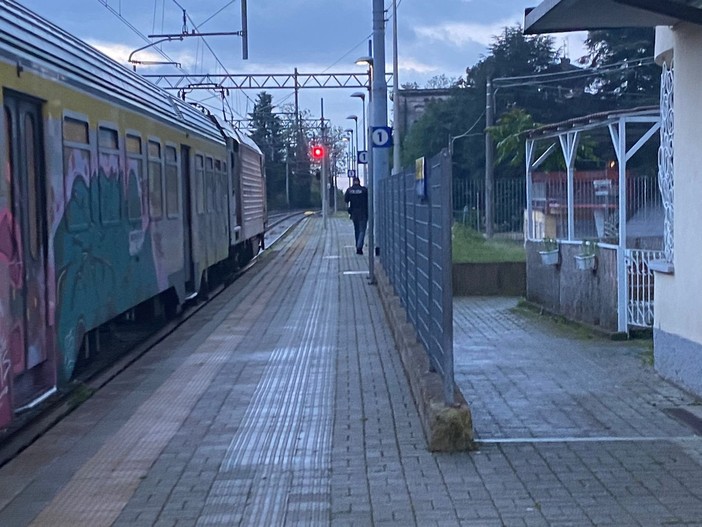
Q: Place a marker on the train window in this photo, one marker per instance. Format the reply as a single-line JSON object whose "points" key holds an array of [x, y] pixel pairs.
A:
{"points": [[33, 187], [76, 172], [209, 183], [133, 144], [200, 183], [216, 187], [172, 187], [135, 175], [225, 190], [155, 180], [109, 176], [222, 195], [107, 138], [75, 131]]}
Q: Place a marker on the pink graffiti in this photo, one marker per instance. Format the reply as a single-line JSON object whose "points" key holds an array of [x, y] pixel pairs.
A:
{"points": [[5, 367], [9, 243]]}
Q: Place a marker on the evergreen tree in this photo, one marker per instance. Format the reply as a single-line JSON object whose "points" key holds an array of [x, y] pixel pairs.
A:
{"points": [[635, 80], [267, 134]]}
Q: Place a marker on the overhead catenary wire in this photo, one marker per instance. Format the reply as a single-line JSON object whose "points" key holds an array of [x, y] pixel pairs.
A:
{"points": [[580, 73]]}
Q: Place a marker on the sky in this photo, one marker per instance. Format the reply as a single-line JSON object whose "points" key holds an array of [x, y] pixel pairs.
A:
{"points": [[314, 36]]}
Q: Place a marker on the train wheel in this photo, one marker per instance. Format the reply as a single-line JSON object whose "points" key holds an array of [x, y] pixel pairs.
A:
{"points": [[171, 306]]}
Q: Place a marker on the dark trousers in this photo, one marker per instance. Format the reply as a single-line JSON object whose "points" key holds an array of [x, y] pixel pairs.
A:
{"points": [[359, 231]]}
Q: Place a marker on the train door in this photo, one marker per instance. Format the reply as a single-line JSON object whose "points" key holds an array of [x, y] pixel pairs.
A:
{"points": [[187, 218], [235, 211], [33, 373]]}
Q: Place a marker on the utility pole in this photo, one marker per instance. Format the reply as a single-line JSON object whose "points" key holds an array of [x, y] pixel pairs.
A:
{"points": [[396, 163], [379, 116], [244, 31], [324, 178], [489, 161]]}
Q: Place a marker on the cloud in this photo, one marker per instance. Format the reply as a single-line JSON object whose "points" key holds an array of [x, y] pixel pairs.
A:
{"points": [[411, 65], [460, 34]]}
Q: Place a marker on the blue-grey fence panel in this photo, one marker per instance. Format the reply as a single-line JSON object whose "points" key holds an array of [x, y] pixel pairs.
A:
{"points": [[417, 256]]}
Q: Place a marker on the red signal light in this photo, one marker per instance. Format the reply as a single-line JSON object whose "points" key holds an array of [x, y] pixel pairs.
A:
{"points": [[317, 152]]}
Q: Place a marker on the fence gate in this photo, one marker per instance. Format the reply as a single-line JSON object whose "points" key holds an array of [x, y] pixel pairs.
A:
{"points": [[640, 278]]}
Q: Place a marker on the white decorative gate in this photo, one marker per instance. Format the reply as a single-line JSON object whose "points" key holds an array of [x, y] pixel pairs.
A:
{"points": [[640, 278]]}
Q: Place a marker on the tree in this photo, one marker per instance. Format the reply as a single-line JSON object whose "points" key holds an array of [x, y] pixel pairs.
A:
{"points": [[635, 80], [509, 135], [267, 134], [511, 54], [441, 81]]}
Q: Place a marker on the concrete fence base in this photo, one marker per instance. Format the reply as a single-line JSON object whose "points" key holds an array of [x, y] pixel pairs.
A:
{"points": [[446, 428]]}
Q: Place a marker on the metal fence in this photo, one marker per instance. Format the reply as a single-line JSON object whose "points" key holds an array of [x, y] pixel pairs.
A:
{"points": [[510, 202], [414, 232], [549, 196]]}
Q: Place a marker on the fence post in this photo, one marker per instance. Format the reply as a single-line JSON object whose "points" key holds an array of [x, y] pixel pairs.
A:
{"points": [[447, 278]]}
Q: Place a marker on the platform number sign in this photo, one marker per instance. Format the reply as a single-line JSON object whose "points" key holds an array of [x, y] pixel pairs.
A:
{"points": [[381, 136], [420, 178]]}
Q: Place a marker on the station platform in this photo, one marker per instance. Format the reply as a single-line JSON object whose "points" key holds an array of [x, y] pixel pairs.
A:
{"points": [[284, 402]]}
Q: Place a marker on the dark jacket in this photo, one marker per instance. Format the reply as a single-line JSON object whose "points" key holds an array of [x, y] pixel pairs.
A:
{"points": [[357, 198]]}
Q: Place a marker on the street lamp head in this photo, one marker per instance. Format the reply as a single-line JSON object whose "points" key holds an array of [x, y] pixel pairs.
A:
{"points": [[364, 61], [359, 94], [354, 117], [349, 130]]}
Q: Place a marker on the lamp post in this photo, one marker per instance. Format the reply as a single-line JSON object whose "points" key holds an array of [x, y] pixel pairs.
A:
{"points": [[362, 96], [349, 155], [355, 162], [370, 176], [350, 132]]}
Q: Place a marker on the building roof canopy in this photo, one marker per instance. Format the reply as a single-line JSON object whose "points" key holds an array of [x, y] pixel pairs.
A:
{"points": [[553, 16]]}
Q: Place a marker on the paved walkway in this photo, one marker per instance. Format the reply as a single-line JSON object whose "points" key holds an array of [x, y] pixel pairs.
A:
{"points": [[284, 403]]}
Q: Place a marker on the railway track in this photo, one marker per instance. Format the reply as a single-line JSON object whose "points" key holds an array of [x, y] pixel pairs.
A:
{"points": [[121, 343]]}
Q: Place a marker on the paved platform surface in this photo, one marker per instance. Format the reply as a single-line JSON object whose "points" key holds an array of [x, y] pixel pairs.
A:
{"points": [[283, 402]]}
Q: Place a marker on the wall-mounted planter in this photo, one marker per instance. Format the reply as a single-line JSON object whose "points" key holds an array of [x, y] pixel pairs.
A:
{"points": [[586, 262], [549, 257]]}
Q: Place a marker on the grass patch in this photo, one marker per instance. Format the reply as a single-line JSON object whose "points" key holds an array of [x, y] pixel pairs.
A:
{"points": [[557, 323], [470, 246], [647, 355], [79, 395]]}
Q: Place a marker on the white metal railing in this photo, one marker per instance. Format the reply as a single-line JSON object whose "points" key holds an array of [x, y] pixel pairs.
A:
{"points": [[666, 169], [640, 294]]}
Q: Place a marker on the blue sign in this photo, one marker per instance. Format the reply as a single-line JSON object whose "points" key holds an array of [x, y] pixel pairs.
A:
{"points": [[351, 172], [362, 157], [381, 136]]}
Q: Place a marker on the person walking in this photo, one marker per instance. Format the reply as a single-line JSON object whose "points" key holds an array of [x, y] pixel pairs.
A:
{"points": [[357, 198]]}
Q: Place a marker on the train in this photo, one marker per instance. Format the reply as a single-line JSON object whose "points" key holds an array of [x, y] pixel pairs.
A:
{"points": [[116, 198]]}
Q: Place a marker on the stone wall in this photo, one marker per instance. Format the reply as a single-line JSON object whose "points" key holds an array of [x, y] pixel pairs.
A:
{"points": [[489, 279], [586, 296]]}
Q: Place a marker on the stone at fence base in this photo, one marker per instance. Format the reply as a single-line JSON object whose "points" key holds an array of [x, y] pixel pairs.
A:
{"points": [[446, 428]]}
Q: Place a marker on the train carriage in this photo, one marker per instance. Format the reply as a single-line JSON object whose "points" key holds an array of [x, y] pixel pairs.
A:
{"points": [[113, 194]]}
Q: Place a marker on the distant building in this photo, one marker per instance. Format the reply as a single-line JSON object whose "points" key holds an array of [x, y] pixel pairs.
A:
{"points": [[412, 103]]}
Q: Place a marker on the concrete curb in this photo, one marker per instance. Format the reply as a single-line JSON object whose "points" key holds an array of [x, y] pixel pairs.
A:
{"points": [[446, 428]]}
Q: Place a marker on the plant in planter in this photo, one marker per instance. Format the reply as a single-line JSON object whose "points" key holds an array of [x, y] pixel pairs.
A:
{"points": [[587, 259], [549, 252]]}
